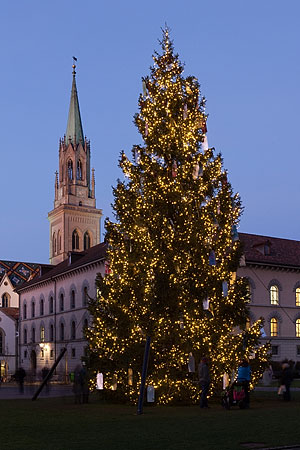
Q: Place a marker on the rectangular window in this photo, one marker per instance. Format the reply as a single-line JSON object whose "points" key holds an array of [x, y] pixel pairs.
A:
{"points": [[25, 353], [72, 299], [73, 352], [42, 353], [275, 350], [298, 350], [51, 353]]}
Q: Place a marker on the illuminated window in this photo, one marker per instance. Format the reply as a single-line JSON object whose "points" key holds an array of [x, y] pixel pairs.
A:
{"points": [[298, 328], [42, 334], [298, 296], [274, 295], [274, 327]]}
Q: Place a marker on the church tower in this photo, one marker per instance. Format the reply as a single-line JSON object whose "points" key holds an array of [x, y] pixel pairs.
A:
{"points": [[74, 220]]}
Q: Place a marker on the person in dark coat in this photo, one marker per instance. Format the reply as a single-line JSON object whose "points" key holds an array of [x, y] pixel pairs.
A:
{"points": [[19, 377], [244, 377], [204, 380], [286, 379]]}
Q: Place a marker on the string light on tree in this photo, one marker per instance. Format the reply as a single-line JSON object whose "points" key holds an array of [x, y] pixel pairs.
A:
{"points": [[172, 251]]}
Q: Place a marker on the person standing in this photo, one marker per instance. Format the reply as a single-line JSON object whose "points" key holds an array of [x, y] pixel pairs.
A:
{"points": [[286, 379], [244, 377], [19, 377], [204, 380]]}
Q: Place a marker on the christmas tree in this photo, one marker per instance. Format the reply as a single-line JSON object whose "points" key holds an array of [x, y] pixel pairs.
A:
{"points": [[173, 252]]}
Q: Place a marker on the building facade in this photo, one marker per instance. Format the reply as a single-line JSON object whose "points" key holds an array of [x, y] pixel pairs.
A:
{"points": [[54, 315], [12, 274], [272, 266]]}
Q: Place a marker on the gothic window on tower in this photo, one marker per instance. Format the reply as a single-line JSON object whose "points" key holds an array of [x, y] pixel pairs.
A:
{"points": [[70, 169], [87, 241], [79, 170], [59, 240], [54, 248], [75, 240]]}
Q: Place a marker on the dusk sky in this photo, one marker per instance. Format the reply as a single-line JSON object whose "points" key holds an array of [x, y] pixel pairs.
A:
{"points": [[246, 56]]}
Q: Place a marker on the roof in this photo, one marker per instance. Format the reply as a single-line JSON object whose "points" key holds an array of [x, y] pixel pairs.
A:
{"points": [[74, 127], [271, 251], [18, 272], [75, 261], [11, 312]]}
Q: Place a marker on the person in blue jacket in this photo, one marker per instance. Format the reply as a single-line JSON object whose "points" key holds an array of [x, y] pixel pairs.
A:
{"points": [[244, 377]]}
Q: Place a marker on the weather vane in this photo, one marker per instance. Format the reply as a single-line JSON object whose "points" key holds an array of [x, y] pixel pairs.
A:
{"points": [[74, 65]]}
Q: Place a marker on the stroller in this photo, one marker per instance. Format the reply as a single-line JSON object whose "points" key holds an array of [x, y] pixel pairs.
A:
{"points": [[234, 395]]}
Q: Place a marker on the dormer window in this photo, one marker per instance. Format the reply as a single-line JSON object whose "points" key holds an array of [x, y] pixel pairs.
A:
{"points": [[267, 250]]}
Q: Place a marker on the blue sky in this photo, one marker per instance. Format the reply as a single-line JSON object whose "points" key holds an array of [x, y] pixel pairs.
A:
{"points": [[245, 55]]}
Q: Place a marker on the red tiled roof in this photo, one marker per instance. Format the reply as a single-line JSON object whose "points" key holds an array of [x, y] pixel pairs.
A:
{"points": [[11, 312], [270, 250], [78, 259]]}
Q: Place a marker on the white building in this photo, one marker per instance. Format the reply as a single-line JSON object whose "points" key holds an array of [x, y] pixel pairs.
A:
{"points": [[53, 313]]}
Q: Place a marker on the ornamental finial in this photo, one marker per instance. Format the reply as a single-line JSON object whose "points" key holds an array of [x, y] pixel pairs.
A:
{"points": [[74, 65]]}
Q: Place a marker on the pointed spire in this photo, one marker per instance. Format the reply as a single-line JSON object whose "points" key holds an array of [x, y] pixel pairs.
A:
{"points": [[74, 131]]}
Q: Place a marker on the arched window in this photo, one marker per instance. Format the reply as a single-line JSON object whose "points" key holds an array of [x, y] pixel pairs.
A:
{"points": [[51, 334], [72, 299], [87, 241], [5, 300], [2, 346], [298, 296], [274, 327], [61, 302], [85, 326], [75, 240], [62, 332], [79, 170], [33, 335], [51, 305], [54, 246], [298, 328], [274, 295], [32, 309], [25, 336], [70, 169], [42, 307], [42, 334], [59, 240], [24, 311], [73, 330], [85, 295]]}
